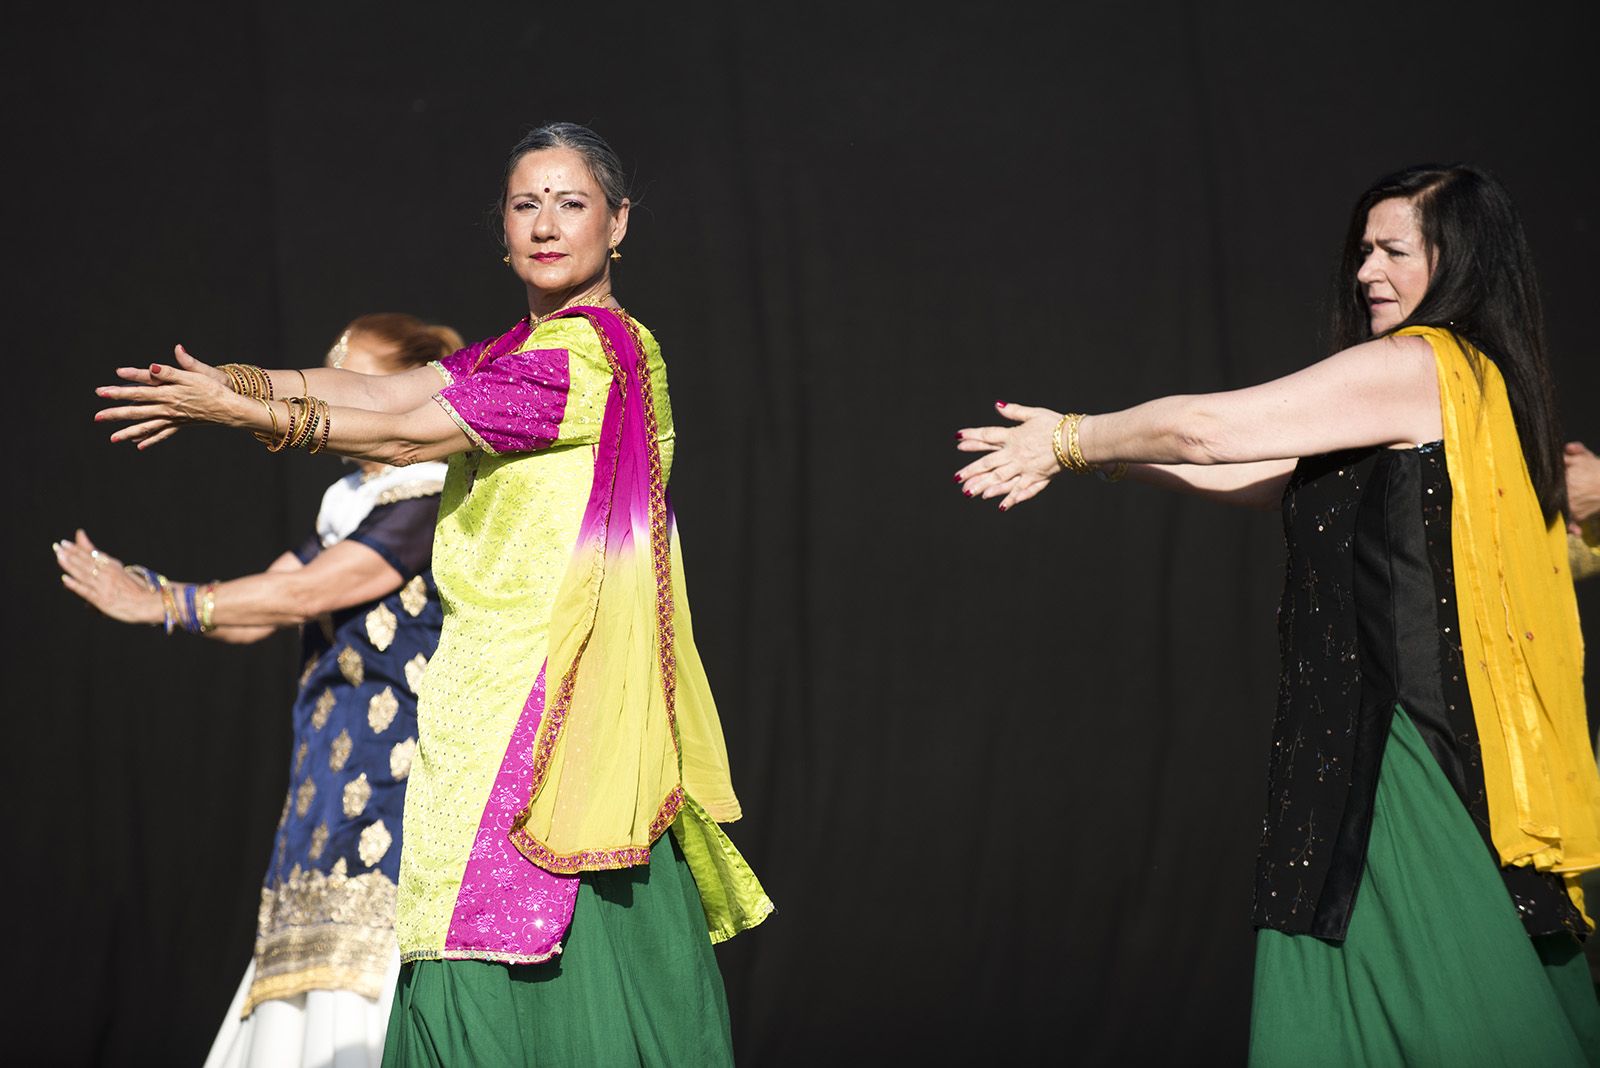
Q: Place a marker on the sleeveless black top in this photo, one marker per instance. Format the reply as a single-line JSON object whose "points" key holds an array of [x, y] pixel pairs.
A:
{"points": [[1367, 622]]}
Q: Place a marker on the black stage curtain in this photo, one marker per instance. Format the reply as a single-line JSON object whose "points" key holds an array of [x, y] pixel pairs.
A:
{"points": [[1003, 773]]}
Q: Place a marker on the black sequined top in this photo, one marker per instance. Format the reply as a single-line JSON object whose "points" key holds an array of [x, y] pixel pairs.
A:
{"points": [[1367, 622]]}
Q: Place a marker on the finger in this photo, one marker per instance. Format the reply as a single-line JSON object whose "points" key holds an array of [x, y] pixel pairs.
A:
{"points": [[975, 445], [1022, 492], [982, 465], [81, 539], [1020, 413], [131, 393], [74, 561], [188, 362], [133, 413], [141, 432], [166, 374], [159, 436], [988, 435], [140, 375]]}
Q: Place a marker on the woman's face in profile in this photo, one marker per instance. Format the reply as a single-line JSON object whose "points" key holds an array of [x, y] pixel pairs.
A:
{"points": [[1396, 264], [559, 229]]}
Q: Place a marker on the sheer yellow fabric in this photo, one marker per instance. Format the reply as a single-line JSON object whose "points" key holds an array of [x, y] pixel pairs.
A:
{"points": [[1519, 628], [1583, 551]]}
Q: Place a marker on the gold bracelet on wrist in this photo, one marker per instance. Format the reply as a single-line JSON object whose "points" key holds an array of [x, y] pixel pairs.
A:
{"points": [[1069, 455]]}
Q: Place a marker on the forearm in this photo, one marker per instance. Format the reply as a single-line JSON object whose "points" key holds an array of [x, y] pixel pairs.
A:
{"points": [[394, 438], [1176, 430], [348, 389], [1252, 485]]}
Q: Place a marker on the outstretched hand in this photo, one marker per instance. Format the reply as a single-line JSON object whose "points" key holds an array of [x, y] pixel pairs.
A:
{"points": [[167, 397], [1583, 484], [99, 579], [1017, 462]]}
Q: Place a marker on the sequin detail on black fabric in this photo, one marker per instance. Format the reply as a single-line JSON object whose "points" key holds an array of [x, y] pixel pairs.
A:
{"points": [[1367, 622]]}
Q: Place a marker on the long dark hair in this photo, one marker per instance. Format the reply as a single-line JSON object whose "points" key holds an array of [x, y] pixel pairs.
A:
{"points": [[1483, 289]]}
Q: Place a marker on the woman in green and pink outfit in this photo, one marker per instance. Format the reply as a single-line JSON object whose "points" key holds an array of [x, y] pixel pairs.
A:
{"points": [[565, 724]]}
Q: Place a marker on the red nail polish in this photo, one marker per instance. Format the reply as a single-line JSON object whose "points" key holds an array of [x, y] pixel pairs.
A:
{"points": [[966, 493], [957, 477], [1003, 508], [999, 404], [155, 368], [958, 435]]}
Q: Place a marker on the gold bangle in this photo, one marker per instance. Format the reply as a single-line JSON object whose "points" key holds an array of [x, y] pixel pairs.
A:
{"points": [[305, 386], [288, 429], [1079, 464], [1055, 442], [272, 413], [327, 427], [208, 605], [1069, 456], [313, 424]]}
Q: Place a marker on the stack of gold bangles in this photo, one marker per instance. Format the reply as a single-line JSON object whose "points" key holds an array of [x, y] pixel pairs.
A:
{"points": [[310, 418], [1070, 455], [247, 380]]}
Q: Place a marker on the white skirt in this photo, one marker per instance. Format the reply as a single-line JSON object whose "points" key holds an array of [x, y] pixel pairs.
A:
{"points": [[317, 1029]]}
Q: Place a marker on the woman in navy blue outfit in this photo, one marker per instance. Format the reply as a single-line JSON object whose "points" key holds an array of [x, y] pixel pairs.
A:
{"points": [[361, 590]]}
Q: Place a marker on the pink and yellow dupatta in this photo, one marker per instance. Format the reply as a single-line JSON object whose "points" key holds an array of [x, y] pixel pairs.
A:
{"points": [[629, 743]]}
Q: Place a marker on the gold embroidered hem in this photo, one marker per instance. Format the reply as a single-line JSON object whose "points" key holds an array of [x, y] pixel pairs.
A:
{"points": [[408, 491], [480, 954], [466, 427], [323, 931]]}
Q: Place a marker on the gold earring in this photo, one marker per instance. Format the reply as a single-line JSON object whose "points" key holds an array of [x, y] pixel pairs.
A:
{"points": [[506, 259], [615, 254]]}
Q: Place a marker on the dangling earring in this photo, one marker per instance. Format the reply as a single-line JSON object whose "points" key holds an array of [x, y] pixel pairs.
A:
{"points": [[615, 254], [506, 259]]}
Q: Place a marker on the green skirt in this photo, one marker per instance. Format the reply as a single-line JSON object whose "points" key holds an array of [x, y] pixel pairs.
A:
{"points": [[1436, 969], [636, 984]]}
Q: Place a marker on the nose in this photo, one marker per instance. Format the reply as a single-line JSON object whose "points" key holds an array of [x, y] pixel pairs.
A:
{"points": [[544, 224], [1369, 272]]}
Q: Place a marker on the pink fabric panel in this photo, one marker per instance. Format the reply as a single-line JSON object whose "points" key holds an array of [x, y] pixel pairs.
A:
{"points": [[508, 908], [515, 402]]}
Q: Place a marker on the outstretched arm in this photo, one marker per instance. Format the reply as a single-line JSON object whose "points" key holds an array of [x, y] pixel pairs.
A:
{"points": [[246, 609], [1383, 392], [174, 396], [380, 393]]}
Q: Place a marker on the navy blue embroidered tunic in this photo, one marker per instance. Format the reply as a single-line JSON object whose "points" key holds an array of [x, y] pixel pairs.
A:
{"points": [[327, 905]]}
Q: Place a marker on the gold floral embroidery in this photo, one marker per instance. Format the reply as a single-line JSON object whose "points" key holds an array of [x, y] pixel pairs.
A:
{"points": [[400, 758], [408, 492], [303, 798], [375, 842], [287, 800], [351, 666], [414, 597], [414, 669], [300, 756], [319, 715], [380, 627], [311, 665], [339, 751], [323, 930], [319, 841], [382, 709], [357, 792]]}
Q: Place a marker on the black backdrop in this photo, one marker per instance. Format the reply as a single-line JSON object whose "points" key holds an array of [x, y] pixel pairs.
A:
{"points": [[1002, 772]]}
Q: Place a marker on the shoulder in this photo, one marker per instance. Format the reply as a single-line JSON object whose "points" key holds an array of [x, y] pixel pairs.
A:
{"points": [[1386, 361]]}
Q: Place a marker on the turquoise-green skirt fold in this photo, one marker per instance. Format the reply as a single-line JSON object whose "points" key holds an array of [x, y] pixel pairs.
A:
{"points": [[1437, 968], [636, 984]]}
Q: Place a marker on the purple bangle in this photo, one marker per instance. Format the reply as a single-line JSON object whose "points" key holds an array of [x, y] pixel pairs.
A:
{"points": [[192, 622]]}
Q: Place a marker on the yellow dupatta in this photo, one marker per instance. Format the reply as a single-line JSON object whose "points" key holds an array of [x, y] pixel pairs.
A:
{"points": [[1519, 628]]}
